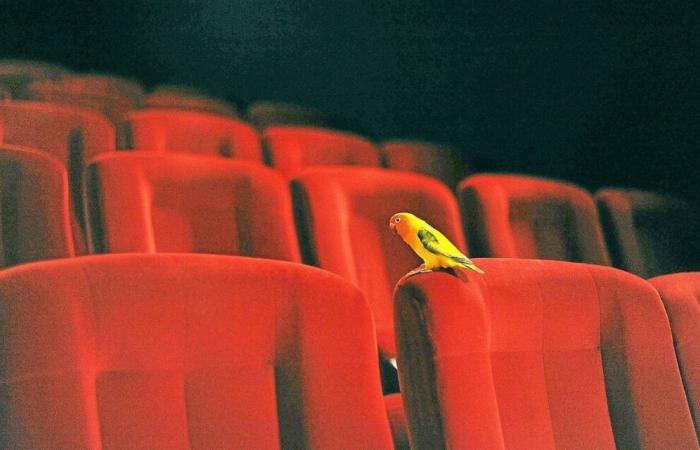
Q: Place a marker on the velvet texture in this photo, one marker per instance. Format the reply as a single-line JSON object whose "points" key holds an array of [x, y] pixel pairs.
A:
{"points": [[291, 149], [650, 234], [510, 216], [70, 134], [34, 212], [344, 217], [186, 351], [539, 354], [151, 202], [430, 159], [174, 130], [269, 114], [681, 296]]}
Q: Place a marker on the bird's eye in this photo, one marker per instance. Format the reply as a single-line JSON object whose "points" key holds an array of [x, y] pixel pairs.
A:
{"points": [[397, 220]]}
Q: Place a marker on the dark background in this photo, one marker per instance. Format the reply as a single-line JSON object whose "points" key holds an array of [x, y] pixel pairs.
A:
{"points": [[600, 93]]}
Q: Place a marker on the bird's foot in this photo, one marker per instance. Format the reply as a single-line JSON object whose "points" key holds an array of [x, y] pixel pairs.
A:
{"points": [[417, 270]]}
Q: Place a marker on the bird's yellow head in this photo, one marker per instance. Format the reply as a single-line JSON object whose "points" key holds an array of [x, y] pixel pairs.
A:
{"points": [[402, 223]]}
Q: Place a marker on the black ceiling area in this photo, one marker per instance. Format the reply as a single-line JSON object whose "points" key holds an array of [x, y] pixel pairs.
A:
{"points": [[599, 93]]}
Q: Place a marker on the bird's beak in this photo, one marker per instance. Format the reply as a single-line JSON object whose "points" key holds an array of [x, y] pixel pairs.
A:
{"points": [[392, 225]]}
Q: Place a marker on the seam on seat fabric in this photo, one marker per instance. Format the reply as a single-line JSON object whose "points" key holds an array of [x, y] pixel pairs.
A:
{"points": [[540, 296], [621, 346]]}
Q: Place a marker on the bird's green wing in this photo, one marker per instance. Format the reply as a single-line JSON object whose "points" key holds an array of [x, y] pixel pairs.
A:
{"points": [[438, 244]]}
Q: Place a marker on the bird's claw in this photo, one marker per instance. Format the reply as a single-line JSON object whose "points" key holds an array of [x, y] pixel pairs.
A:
{"points": [[417, 270]]}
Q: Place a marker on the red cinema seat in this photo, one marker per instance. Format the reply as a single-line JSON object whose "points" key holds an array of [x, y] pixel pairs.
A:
{"points": [[291, 149], [177, 97], [344, 217], [16, 74], [539, 354], [186, 352], [71, 135], [266, 114], [112, 104], [34, 211], [680, 293], [174, 130], [511, 216], [106, 84], [650, 234], [439, 161], [152, 202]]}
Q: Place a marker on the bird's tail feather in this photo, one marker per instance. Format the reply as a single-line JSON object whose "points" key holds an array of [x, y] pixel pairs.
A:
{"points": [[472, 266]]}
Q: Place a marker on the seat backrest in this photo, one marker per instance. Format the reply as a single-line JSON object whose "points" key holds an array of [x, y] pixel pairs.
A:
{"points": [[179, 98], [650, 234], [72, 135], [106, 84], [680, 293], [511, 216], [539, 354], [34, 212], [186, 351], [152, 202], [439, 161], [266, 114], [344, 219], [112, 104], [175, 130], [291, 149], [15, 75]]}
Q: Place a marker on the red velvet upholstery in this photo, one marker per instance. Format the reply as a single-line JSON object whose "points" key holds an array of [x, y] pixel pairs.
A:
{"points": [[268, 114], [681, 296], [430, 159], [650, 234], [65, 132], [34, 212], [152, 202], [186, 352], [180, 98], [176, 130], [72, 135], [344, 215], [291, 149], [539, 354], [510, 216], [112, 104]]}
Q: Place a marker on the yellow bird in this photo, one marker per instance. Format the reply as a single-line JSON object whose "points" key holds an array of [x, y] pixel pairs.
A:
{"points": [[433, 247]]}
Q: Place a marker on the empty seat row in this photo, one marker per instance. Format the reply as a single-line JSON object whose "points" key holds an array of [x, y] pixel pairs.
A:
{"points": [[289, 149], [504, 215], [154, 202], [208, 351], [548, 354], [645, 233], [35, 80]]}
